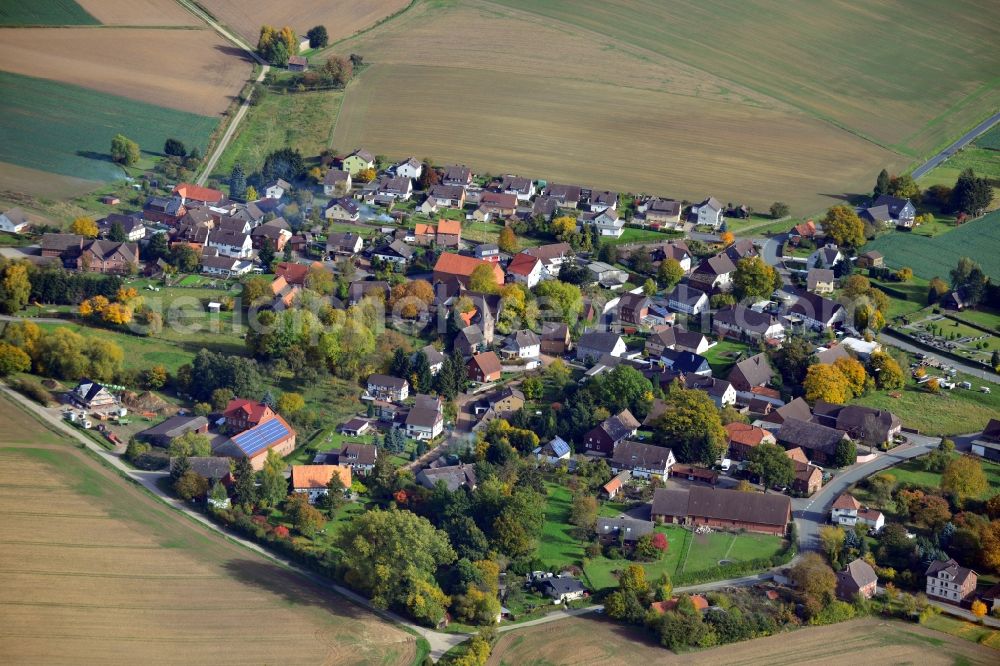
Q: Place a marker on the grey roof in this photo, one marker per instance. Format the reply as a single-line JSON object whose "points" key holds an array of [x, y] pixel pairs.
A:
{"points": [[852, 419], [387, 380], [895, 205], [816, 275], [446, 191], [670, 502], [17, 216], [557, 446], [620, 425], [685, 361], [815, 307], [397, 248], [720, 264], [756, 370], [175, 426], [346, 240], [357, 454], [710, 385], [665, 206], [630, 529], [636, 454], [712, 203], [687, 295], [810, 436], [212, 468], [952, 567], [602, 341], [334, 176], [453, 477], [347, 203], [796, 409], [564, 192], [557, 586], [722, 504], [524, 338], [433, 354], [855, 576], [744, 318]]}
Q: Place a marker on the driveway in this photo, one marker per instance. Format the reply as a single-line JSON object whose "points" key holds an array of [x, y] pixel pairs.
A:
{"points": [[770, 251], [969, 136], [439, 642]]}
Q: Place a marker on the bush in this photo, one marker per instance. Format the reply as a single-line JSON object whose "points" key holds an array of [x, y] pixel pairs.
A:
{"points": [[837, 611], [33, 390]]}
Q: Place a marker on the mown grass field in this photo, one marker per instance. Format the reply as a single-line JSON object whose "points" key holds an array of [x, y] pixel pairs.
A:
{"points": [[44, 12], [912, 471], [65, 129], [96, 571], [303, 121], [687, 553], [600, 642], [935, 257]]}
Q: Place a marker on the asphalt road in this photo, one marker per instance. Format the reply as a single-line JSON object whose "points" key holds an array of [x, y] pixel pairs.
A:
{"points": [[969, 136], [811, 513]]}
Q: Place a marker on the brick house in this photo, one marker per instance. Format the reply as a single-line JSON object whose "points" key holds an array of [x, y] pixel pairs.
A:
{"points": [[603, 439], [723, 509], [856, 578], [484, 367]]}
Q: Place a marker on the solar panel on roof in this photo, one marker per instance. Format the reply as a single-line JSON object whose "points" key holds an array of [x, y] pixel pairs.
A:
{"points": [[261, 437]]}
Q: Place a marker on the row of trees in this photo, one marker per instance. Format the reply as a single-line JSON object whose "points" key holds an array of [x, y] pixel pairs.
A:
{"points": [[971, 194], [60, 353]]}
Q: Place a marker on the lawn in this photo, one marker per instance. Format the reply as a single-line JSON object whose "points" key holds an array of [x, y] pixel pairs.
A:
{"points": [[724, 355], [982, 161], [140, 352], [687, 552], [935, 257], [302, 120], [633, 235], [67, 130], [975, 633], [43, 12], [988, 318], [915, 292], [954, 412], [913, 472]]}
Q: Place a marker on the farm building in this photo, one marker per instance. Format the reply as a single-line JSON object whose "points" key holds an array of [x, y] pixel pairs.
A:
{"points": [[723, 509], [314, 479]]}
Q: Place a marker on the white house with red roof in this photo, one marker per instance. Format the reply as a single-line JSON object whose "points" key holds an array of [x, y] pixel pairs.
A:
{"points": [[525, 269]]}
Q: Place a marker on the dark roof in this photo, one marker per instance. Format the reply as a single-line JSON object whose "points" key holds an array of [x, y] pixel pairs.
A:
{"points": [[212, 468], [665, 206], [603, 341], [558, 586], [620, 426], [720, 264], [347, 240], [446, 191], [544, 206], [357, 454], [718, 503], [175, 426], [685, 361], [959, 572], [630, 529], [549, 252], [992, 430], [636, 454], [633, 301], [815, 307], [61, 242], [682, 293], [710, 385], [796, 409], [895, 205], [453, 477], [855, 576], [347, 203], [853, 418], [387, 380], [396, 248], [334, 176], [564, 192], [744, 318], [809, 435], [756, 370]]}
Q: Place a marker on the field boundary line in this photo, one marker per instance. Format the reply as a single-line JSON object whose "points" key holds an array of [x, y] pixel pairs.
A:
{"points": [[732, 543], [687, 552]]}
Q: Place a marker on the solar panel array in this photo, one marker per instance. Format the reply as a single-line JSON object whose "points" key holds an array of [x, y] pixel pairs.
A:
{"points": [[257, 439]]}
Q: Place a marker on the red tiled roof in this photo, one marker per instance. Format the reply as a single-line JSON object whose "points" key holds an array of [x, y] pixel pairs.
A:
{"points": [[292, 272], [452, 227], [847, 501], [197, 192], [318, 476], [522, 264], [253, 410], [748, 435]]}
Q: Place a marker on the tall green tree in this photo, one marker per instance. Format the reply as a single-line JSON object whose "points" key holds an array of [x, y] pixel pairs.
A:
{"points": [[772, 465], [266, 253], [174, 148], [669, 273], [124, 150], [318, 37], [971, 194], [691, 426], [881, 184], [273, 486], [244, 484], [755, 280], [237, 182]]}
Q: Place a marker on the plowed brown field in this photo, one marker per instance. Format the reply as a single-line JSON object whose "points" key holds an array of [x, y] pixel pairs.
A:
{"points": [[96, 572], [190, 70], [139, 12]]}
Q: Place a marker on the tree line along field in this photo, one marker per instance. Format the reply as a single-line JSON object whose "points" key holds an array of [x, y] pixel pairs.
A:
{"points": [[639, 95], [44, 12], [935, 257], [96, 571], [65, 129], [592, 642]]}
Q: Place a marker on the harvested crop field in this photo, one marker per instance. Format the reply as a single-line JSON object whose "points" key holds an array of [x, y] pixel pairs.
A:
{"points": [[67, 130], [187, 70], [41, 184], [934, 257], [602, 136], [342, 18], [95, 571], [140, 12], [637, 94], [583, 642]]}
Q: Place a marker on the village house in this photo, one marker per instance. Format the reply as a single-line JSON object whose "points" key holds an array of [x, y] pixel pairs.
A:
{"points": [[819, 441], [595, 344], [94, 397], [552, 256], [387, 387], [827, 256], [561, 589], [525, 269], [751, 373], [460, 267], [865, 424], [598, 200], [607, 222], [495, 204], [343, 244], [357, 162], [688, 300], [484, 367], [644, 461], [443, 196], [277, 188], [487, 252], [410, 168], [99, 256], [313, 480], [950, 581], [522, 344], [168, 210], [453, 477], [603, 439], [666, 213], [857, 578], [888, 210], [397, 252], [848, 511], [393, 188], [796, 409], [622, 530], [742, 323], [871, 259], [276, 231], [676, 250], [241, 414], [708, 213], [617, 483], [132, 225], [426, 418], [723, 509], [297, 63], [553, 451], [744, 438], [633, 308], [344, 209], [686, 363], [336, 183], [802, 230], [224, 267], [196, 195], [360, 458], [555, 340], [714, 273], [566, 196], [808, 478], [544, 207], [14, 220], [457, 175], [231, 243], [678, 338], [255, 442], [608, 276], [213, 468], [816, 312], [820, 281], [522, 188]]}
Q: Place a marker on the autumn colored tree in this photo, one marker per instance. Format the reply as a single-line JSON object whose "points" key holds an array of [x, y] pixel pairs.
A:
{"points": [[814, 577], [831, 538], [483, 279], [856, 285], [366, 175], [583, 511], [15, 286], [779, 209], [290, 403], [155, 377], [827, 383], [885, 370], [978, 608], [669, 273], [854, 373], [411, 298], [964, 478], [563, 227], [904, 274], [727, 238], [191, 485], [844, 226], [13, 359], [507, 242], [84, 226], [754, 279]]}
